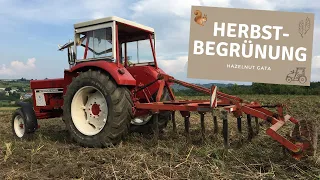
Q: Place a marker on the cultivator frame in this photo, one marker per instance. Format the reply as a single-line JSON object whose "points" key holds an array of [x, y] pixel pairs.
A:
{"points": [[222, 104]]}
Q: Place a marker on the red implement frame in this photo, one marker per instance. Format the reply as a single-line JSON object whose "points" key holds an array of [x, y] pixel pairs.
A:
{"points": [[224, 102]]}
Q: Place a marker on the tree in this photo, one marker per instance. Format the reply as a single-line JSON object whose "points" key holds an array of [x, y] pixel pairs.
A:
{"points": [[8, 89], [22, 79], [20, 89]]}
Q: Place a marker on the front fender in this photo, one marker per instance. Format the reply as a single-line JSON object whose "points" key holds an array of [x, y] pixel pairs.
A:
{"points": [[120, 74]]}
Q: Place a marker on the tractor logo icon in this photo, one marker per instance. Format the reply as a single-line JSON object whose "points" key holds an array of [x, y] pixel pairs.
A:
{"points": [[297, 75]]}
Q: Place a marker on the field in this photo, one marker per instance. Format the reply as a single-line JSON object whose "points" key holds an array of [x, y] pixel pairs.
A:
{"points": [[15, 84], [51, 154]]}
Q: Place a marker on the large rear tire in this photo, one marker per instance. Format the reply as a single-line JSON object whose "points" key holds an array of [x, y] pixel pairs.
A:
{"points": [[96, 111], [147, 127]]}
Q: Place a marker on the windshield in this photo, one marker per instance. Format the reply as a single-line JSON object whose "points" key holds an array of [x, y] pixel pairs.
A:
{"points": [[95, 44]]}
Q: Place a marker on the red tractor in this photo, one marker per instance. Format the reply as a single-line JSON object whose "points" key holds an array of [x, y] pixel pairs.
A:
{"points": [[95, 98], [114, 86]]}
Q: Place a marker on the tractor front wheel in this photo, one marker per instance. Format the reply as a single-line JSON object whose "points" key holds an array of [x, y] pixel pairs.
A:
{"points": [[18, 124], [288, 79], [97, 111], [24, 122]]}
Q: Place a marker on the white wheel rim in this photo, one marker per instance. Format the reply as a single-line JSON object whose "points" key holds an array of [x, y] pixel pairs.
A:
{"points": [[18, 125], [89, 110]]}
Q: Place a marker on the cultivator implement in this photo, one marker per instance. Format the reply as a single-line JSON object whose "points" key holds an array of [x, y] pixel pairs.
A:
{"points": [[301, 142]]}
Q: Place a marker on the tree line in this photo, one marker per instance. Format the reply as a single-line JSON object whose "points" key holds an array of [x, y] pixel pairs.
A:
{"points": [[260, 88]]}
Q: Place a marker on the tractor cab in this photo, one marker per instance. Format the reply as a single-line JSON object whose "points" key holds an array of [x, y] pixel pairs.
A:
{"points": [[120, 47], [112, 39]]}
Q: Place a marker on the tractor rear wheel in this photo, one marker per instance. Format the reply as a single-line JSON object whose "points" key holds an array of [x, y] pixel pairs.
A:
{"points": [[96, 111], [145, 124], [302, 79]]}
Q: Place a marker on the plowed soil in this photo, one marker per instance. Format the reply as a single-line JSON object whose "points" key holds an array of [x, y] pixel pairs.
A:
{"points": [[50, 154]]}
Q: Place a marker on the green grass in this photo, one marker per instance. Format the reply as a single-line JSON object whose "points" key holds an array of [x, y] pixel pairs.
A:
{"points": [[50, 154]]}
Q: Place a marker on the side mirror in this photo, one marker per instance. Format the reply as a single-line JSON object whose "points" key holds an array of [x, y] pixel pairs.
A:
{"points": [[71, 56]]}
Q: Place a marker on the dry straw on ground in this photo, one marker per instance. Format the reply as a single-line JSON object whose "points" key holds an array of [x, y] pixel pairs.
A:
{"points": [[51, 155]]}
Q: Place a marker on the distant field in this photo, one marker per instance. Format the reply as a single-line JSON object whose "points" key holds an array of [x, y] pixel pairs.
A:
{"points": [[8, 108], [24, 84], [50, 154]]}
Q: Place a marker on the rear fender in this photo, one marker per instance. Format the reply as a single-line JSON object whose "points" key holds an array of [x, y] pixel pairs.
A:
{"points": [[120, 74]]}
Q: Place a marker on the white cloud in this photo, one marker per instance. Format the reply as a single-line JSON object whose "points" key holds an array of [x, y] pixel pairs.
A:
{"points": [[258, 4], [59, 11], [276, 4], [181, 8], [175, 66], [315, 77], [316, 62], [178, 69], [315, 70], [295, 4], [18, 67], [170, 19], [6, 71]]}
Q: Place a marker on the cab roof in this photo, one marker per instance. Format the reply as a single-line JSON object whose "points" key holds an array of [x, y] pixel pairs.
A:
{"points": [[111, 19]]}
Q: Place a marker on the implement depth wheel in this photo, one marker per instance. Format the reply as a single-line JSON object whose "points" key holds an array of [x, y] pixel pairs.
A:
{"points": [[305, 134], [96, 111], [144, 124]]}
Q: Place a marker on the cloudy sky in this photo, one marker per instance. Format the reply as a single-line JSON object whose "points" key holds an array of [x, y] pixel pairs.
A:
{"points": [[31, 30]]}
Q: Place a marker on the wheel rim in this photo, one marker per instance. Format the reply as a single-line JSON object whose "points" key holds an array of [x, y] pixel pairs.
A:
{"points": [[89, 110], [19, 127]]}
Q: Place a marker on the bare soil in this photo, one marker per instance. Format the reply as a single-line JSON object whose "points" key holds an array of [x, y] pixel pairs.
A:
{"points": [[51, 155]]}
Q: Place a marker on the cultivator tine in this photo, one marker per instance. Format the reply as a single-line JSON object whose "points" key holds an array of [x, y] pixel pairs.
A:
{"points": [[225, 130], [156, 126], [174, 125], [239, 124], [304, 129], [215, 125], [202, 126], [250, 130], [296, 132], [257, 125], [239, 127], [187, 128]]}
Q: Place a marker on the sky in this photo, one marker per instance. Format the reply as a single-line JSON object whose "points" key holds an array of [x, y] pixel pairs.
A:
{"points": [[32, 30]]}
